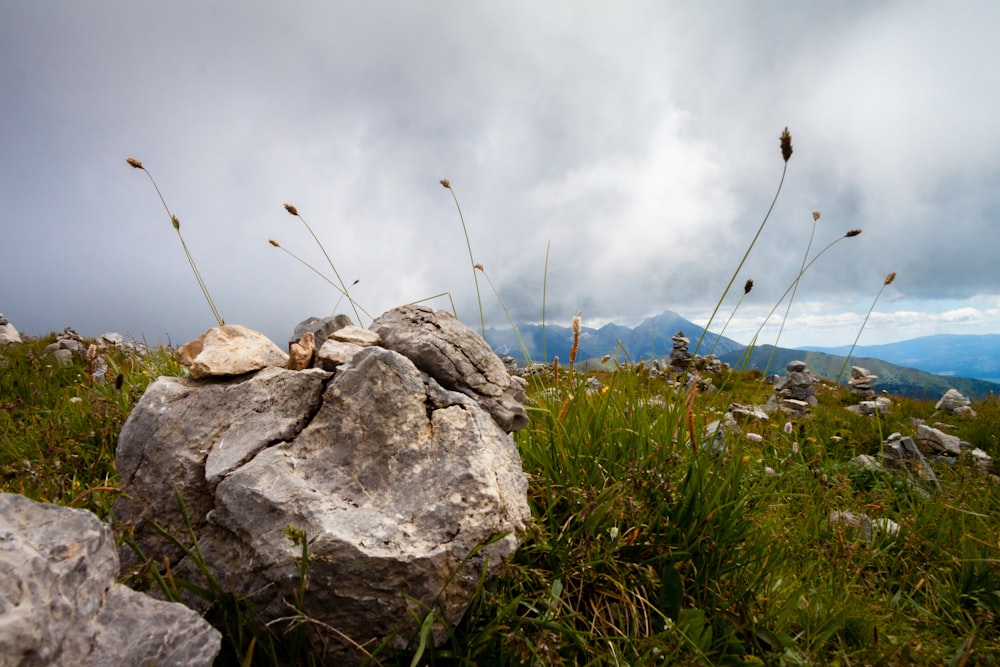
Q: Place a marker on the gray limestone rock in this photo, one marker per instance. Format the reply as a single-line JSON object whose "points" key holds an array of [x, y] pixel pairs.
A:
{"points": [[457, 357], [60, 605], [398, 481]]}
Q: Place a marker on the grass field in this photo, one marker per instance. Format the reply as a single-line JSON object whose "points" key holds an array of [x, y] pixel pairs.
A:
{"points": [[649, 546]]}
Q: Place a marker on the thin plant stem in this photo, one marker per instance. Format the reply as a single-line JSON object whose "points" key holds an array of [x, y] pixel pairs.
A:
{"points": [[294, 211], [482, 320], [795, 289], [786, 149], [746, 290], [545, 287], [318, 273], [885, 283], [746, 358], [136, 164], [513, 325]]}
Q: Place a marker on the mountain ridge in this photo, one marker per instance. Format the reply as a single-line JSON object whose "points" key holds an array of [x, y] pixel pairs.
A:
{"points": [[968, 363]]}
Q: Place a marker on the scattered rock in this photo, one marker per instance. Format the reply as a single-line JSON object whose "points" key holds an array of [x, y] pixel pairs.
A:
{"points": [[955, 403], [747, 411], [390, 466], [902, 454], [879, 406], [867, 528], [937, 441], [8, 334], [229, 350], [60, 605]]}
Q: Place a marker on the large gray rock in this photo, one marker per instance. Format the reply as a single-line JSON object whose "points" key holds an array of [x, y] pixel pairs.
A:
{"points": [[60, 605], [457, 357], [395, 480]]}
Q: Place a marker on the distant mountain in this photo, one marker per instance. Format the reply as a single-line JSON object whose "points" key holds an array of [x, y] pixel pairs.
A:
{"points": [[895, 379], [649, 340], [975, 356], [921, 367]]}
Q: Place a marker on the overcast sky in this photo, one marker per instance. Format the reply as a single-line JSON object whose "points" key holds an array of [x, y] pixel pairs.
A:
{"points": [[636, 141]]}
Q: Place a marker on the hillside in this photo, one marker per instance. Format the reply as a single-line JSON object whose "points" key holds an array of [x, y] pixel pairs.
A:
{"points": [[649, 340], [975, 356], [896, 380]]}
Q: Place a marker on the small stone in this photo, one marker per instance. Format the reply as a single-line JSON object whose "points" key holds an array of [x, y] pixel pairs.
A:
{"points": [[229, 350], [302, 352], [356, 335]]}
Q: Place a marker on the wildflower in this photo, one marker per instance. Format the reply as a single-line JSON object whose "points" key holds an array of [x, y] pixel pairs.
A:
{"points": [[795, 448], [768, 470], [291, 209], [755, 437], [786, 145], [613, 532], [75, 399], [605, 389], [788, 428], [135, 164], [745, 460]]}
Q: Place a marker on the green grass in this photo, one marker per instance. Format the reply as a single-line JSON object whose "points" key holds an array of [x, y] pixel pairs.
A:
{"points": [[644, 549]]}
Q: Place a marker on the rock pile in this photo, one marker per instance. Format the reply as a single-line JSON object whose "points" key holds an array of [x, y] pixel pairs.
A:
{"points": [[953, 402], [796, 392], [680, 358], [878, 406], [397, 465], [60, 605], [8, 334], [861, 381]]}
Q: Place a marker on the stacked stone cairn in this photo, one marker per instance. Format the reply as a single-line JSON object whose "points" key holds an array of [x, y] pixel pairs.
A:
{"points": [[796, 392], [861, 381], [680, 358], [954, 403]]}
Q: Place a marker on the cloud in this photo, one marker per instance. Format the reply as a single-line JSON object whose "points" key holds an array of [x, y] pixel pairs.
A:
{"points": [[638, 145]]}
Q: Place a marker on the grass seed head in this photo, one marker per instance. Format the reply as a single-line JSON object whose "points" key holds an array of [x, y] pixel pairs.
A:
{"points": [[748, 286], [853, 232], [291, 209], [274, 243], [446, 183], [889, 278], [786, 145], [815, 216], [135, 164], [175, 222]]}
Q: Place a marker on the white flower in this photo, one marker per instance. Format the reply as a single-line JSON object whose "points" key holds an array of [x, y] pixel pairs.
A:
{"points": [[788, 428], [755, 437], [795, 448], [613, 532]]}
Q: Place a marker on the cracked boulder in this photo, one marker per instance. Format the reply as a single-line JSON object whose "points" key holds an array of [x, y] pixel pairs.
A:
{"points": [[406, 487], [60, 603]]}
